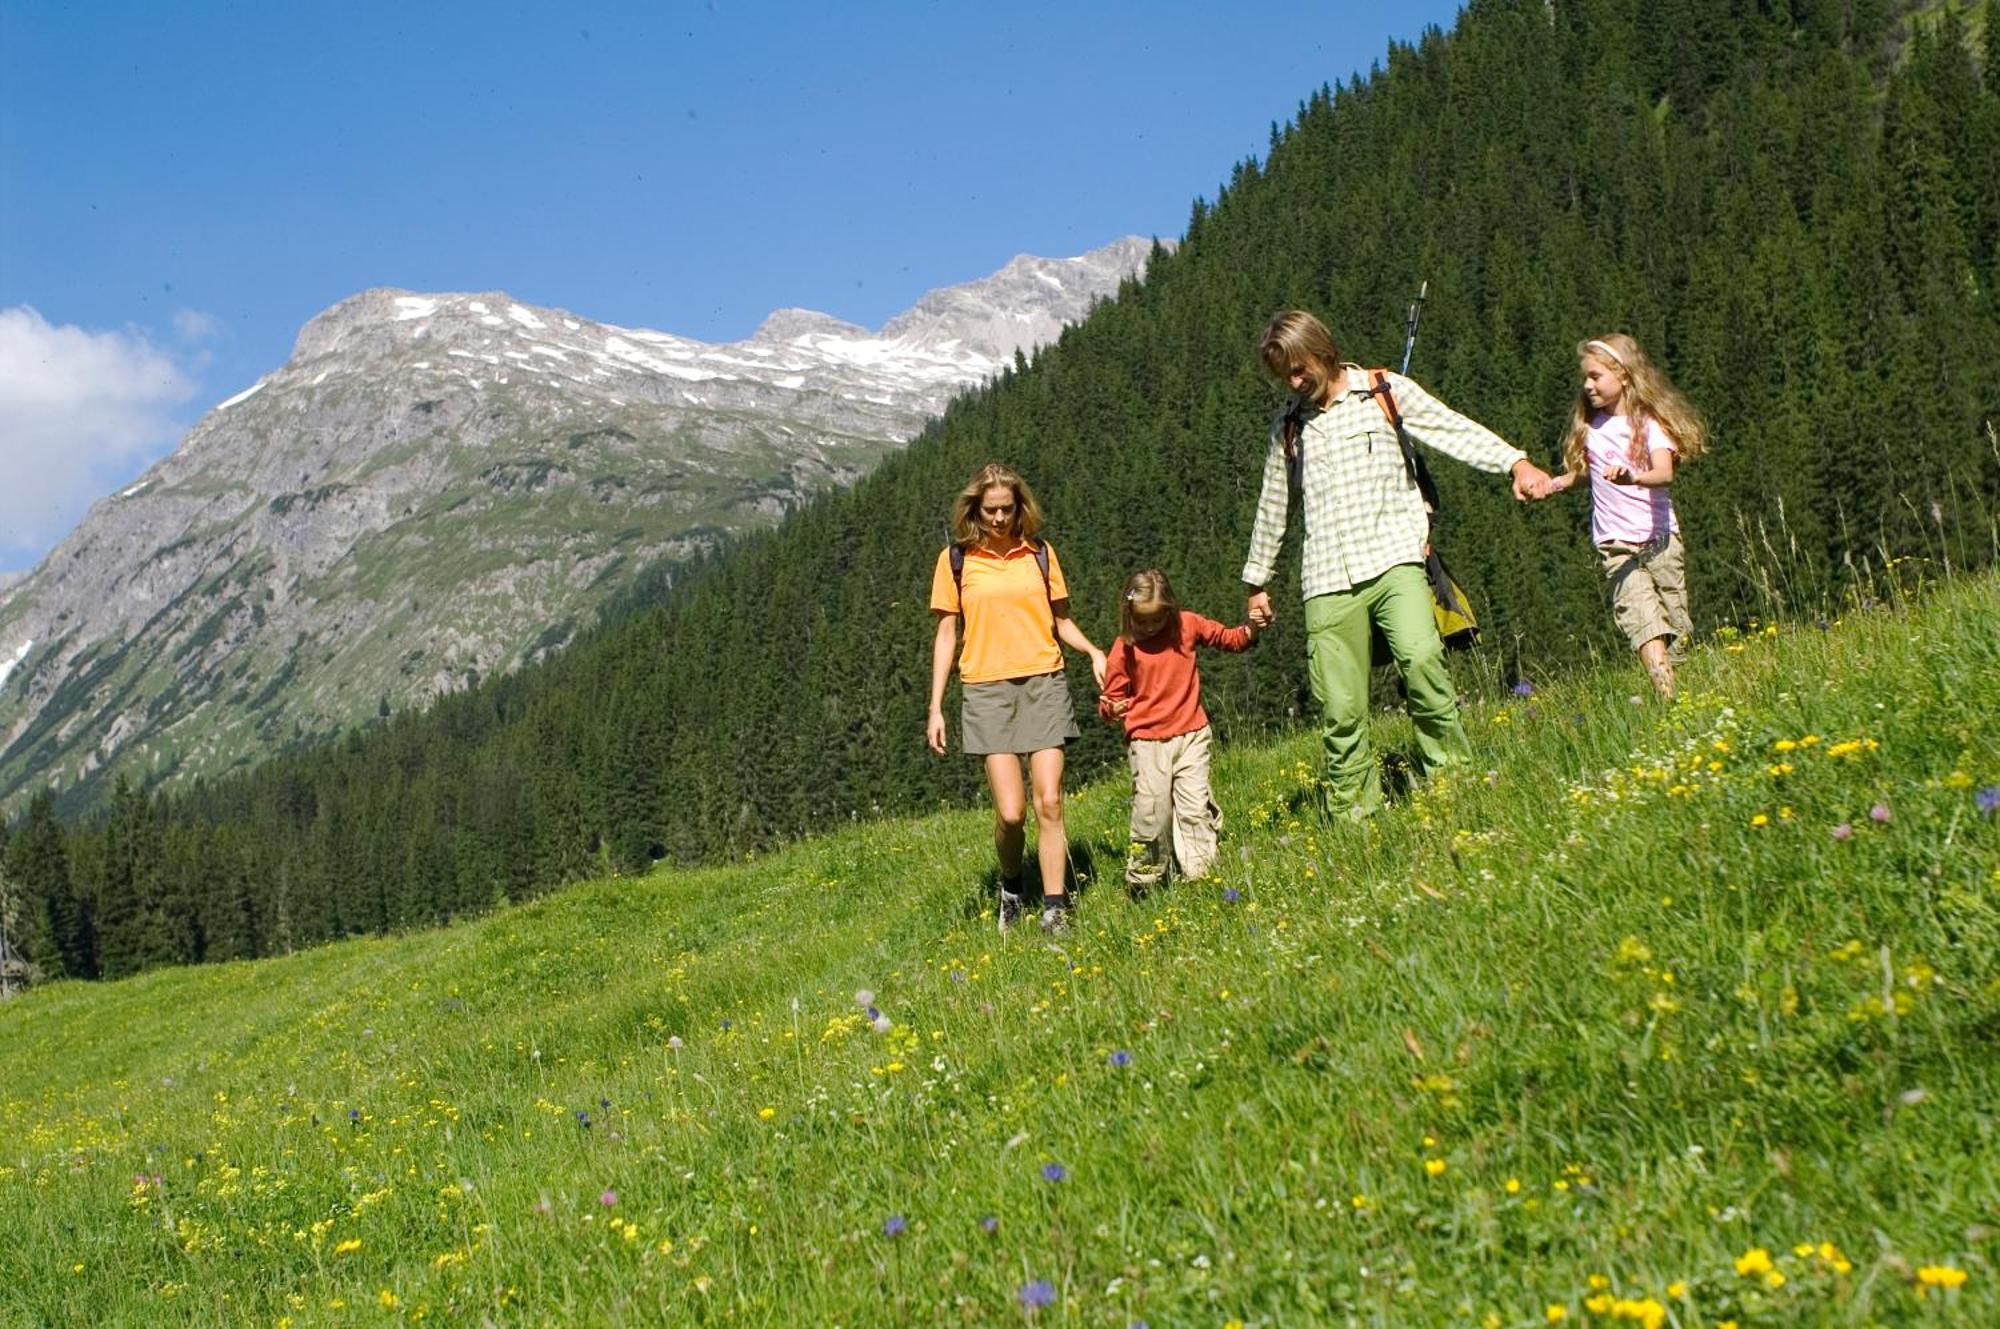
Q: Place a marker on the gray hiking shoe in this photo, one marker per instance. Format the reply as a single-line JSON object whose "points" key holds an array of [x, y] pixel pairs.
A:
{"points": [[1055, 921], [1010, 911]]}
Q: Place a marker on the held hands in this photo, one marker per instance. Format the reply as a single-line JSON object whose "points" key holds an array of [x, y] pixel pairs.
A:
{"points": [[1258, 613], [1531, 482]]}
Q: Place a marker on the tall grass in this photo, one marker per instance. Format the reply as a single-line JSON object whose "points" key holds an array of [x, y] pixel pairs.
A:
{"points": [[1661, 1015]]}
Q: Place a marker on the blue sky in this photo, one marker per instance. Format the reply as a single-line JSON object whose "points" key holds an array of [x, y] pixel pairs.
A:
{"points": [[182, 186]]}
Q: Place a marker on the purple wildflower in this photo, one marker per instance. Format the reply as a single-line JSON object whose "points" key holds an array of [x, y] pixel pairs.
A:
{"points": [[1843, 832], [354, 1114], [1053, 1172], [874, 1014], [604, 1102], [1121, 1058], [958, 975], [583, 1118], [893, 1225], [1987, 800], [1879, 813], [1037, 1294], [1524, 689], [1231, 895], [989, 1225], [609, 1198]]}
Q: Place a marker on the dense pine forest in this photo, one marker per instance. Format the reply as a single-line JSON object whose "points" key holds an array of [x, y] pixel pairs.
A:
{"points": [[1794, 206]]}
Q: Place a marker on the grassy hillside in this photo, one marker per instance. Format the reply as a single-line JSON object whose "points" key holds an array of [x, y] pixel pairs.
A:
{"points": [[1672, 1016]]}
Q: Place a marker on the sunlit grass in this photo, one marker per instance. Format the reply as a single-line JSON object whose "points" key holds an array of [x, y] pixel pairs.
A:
{"points": [[1653, 1018]]}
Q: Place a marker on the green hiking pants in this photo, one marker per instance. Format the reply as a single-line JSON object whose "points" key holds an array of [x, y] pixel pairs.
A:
{"points": [[1337, 660]]}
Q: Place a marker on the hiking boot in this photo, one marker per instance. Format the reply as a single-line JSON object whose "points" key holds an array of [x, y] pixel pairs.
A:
{"points": [[1055, 921], [1010, 911]]}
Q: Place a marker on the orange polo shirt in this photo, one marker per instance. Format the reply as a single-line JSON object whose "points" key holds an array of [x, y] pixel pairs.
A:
{"points": [[1009, 629]]}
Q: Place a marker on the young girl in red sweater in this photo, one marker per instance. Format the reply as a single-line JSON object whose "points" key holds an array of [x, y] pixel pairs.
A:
{"points": [[1152, 686]]}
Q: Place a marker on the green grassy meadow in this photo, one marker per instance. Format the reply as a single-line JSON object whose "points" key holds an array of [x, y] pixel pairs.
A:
{"points": [[1674, 1016]]}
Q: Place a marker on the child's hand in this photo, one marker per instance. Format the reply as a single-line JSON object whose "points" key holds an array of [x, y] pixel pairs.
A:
{"points": [[1621, 475], [1115, 707]]}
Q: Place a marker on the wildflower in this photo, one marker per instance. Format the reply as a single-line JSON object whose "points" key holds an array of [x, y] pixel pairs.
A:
{"points": [[609, 1198], [1034, 1295], [674, 1044], [893, 1225], [1121, 1058], [1938, 1275], [1524, 689], [1879, 813], [865, 998], [1054, 1172], [1987, 800], [1600, 1304], [1844, 831], [1513, 1185], [1760, 820], [388, 1300], [1677, 1290], [583, 1118], [348, 1247], [989, 1225], [1756, 1260], [1556, 1314], [1434, 1167], [1231, 895], [766, 1113]]}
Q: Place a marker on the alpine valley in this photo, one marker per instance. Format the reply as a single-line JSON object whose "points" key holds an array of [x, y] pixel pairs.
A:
{"points": [[437, 487]]}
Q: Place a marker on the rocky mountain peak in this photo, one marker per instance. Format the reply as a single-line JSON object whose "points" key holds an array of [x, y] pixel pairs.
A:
{"points": [[439, 487]]}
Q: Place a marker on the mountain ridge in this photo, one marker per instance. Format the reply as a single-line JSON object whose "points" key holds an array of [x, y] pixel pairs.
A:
{"points": [[435, 487]]}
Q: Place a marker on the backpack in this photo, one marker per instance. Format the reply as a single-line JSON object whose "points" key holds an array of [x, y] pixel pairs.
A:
{"points": [[1456, 623], [1041, 551]]}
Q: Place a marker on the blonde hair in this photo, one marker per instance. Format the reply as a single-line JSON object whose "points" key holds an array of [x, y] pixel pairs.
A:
{"points": [[965, 527], [1647, 396], [1146, 594], [1297, 342]]}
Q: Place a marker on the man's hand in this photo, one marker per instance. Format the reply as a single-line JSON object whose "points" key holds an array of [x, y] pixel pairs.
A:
{"points": [[1258, 610], [1530, 481]]}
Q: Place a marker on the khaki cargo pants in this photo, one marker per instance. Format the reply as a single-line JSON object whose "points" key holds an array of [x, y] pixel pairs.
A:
{"points": [[1171, 805]]}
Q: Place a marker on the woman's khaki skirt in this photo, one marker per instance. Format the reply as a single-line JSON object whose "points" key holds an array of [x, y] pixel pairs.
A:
{"points": [[1018, 715]]}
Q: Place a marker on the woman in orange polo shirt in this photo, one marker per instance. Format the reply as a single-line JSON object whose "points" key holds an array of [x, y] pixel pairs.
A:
{"points": [[1007, 588]]}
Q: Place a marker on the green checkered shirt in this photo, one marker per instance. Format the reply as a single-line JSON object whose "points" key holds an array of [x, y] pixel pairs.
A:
{"points": [[1363, 513]]}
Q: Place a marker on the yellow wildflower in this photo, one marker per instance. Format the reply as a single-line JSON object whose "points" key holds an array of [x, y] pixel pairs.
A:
{"points": [[766, 1113], [1434, 1166], [348, 1247], [1939, 1275], [1756, 1260], [1556, 1314]]}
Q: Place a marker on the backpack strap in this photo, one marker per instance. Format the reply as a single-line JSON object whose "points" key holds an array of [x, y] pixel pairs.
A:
{"points": [[1413, 462], [1291, 431]]}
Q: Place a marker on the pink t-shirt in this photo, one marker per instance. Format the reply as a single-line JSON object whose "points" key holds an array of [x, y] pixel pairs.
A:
{"points": [[1628, 513]]}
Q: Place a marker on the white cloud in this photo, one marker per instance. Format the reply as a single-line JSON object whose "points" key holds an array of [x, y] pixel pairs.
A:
{"points": [[193, 326], [80, 412]]}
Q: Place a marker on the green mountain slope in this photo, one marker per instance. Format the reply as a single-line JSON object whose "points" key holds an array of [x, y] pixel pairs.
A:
{"points": [[1651, 1015]]}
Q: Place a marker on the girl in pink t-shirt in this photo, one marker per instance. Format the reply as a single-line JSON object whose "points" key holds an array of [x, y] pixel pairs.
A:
{"points": [[1630, 428]]}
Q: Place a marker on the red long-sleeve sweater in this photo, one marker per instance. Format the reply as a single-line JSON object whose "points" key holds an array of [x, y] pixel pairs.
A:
{"points": [[1160, 678]]}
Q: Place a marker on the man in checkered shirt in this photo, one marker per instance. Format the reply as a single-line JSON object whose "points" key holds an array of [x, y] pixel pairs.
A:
{"points": [[1367, 532]]}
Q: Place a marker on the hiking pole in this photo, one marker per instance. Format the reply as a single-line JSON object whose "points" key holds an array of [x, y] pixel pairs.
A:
{"points": [[1410, 322]]}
